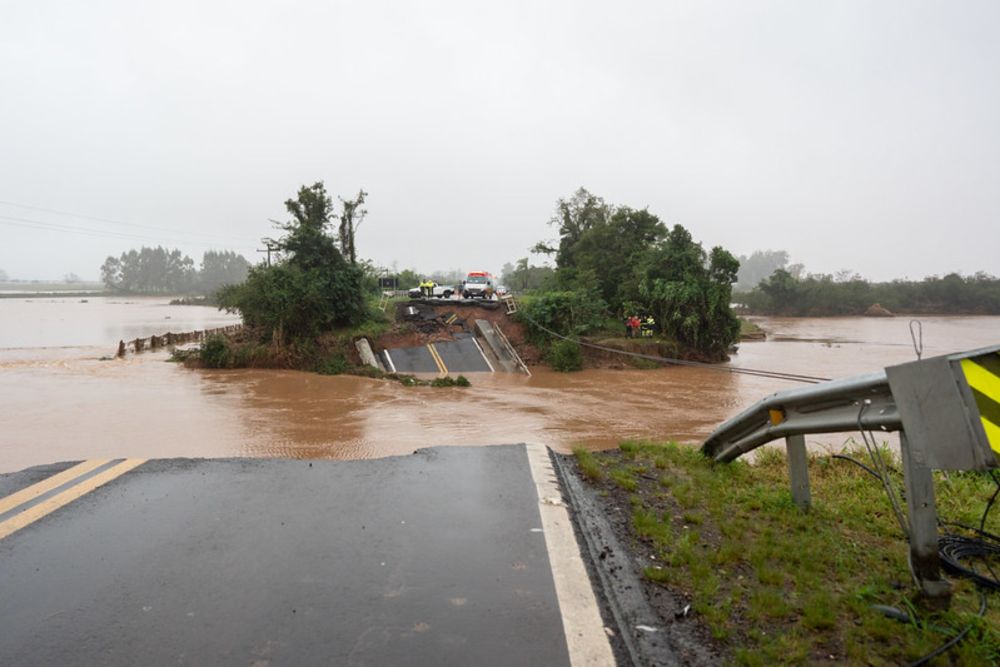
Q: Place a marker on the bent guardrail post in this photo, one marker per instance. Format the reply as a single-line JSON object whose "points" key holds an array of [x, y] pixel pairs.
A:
{"points": [[947, 410]]}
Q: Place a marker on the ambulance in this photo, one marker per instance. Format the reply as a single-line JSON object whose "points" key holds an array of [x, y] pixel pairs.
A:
{"points": [[478, 284]]}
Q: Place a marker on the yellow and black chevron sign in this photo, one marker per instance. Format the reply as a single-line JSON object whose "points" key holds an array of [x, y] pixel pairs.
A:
{"points": [[983, 375]]}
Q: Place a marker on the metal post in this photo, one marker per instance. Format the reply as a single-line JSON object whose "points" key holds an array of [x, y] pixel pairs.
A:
{"points": [[924, 562], [798, 470]]}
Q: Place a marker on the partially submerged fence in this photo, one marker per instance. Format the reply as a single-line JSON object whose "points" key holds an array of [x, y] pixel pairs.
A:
{"points": [[170, 339]]}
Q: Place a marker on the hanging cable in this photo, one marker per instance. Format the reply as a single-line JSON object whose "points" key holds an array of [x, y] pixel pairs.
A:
{"points": [[111, 221], [774, 375]]}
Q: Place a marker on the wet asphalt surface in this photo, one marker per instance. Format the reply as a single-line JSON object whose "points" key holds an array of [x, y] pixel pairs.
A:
{"points": [[429, 559], [459, 356]]}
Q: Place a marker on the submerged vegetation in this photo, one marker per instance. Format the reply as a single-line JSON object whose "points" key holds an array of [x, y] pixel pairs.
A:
{"points": [[775, 585]]}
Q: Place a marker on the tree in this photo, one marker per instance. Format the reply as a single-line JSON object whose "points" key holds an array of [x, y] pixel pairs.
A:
{"points": [[351, 217], [150, 271], [3, 276], [221, 267], [72, 279], [759, 266], [312, 289], [690, 293]]}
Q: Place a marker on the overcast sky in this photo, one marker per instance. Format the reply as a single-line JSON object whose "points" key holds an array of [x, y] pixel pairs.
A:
{"points": [[862, 135]]}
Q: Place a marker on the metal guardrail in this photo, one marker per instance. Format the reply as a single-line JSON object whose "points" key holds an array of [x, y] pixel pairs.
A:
{"points": [[829, 407], [946, 410]]}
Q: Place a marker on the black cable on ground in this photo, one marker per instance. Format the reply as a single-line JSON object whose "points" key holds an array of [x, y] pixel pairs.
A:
{"points": [[952, 550], [954, 640], [858, 463]]}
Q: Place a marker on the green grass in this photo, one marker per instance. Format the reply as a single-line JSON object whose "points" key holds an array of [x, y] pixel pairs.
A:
{"points": [[777, 585]]}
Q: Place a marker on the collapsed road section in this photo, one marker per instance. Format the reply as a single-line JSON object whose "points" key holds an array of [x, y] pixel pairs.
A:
{"points": [[455, 555], [450, 338]]}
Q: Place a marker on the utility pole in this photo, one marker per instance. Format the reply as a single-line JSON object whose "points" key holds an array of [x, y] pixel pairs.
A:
{"points": [[269, 247]]}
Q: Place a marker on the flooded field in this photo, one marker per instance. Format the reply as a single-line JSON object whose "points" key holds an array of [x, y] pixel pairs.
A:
{"points": [[60, 401]]}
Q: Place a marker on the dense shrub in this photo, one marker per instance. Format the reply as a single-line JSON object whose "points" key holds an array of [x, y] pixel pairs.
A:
{"points": [[215, 352], [290, 302], [335, 364], [565, 356], [569, 313]]}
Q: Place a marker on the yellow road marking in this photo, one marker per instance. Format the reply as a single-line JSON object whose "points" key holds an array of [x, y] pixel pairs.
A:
{"points": [[47, 484], [35, 513], [437, 359], [981, 379]]}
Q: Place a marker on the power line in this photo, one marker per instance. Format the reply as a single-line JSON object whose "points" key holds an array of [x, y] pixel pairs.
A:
{"points": [[116, 222], [12, 221]]}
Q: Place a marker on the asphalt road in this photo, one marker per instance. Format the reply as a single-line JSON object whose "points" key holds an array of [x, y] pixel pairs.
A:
{"points": [[432, 559], [458, 356]]}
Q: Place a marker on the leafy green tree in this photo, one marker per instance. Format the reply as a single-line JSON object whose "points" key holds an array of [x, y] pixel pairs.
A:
{"points": [[150, 271], [312, 289], [689, 293], [760, 265], [568, 313], [524, 276], [221, 267]]}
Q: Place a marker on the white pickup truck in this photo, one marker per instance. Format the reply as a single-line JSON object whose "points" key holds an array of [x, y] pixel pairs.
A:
{"points": [[440, 291]]}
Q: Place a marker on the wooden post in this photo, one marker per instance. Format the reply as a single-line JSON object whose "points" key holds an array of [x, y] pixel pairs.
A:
{"points": [[798, 470], [121, 348], [138, 344]]}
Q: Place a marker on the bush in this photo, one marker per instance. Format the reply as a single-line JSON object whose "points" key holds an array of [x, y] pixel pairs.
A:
{"points": [[289, 301], [568, 313], [335, 364], [565, 356], [448, 381], [215, 352]]}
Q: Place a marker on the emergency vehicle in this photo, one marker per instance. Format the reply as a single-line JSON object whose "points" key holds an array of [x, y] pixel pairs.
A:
{"points": [[478, 284]]}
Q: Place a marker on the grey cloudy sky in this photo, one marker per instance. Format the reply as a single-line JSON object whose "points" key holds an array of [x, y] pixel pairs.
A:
{"points": [[861, 135]]}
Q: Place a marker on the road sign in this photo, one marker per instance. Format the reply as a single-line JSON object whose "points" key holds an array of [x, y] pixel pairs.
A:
{"points": [[950, 408]]}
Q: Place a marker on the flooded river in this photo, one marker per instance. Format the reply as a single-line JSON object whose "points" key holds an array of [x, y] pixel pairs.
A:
{"points": [[60, 401]]}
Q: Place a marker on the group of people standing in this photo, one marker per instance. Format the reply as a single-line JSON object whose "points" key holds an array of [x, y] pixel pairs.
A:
{"points": [[636, 327]]}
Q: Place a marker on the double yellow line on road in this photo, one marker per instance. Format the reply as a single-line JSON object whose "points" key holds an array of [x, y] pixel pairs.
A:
{"points": [[35, 512], [437, 359]]}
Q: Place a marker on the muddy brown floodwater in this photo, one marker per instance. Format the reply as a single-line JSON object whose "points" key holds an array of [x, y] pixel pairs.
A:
{"points": [[60, 401]]}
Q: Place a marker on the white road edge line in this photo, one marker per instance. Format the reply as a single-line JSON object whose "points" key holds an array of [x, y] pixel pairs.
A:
{"points": [[388, 357], [483, 355], [586, 637]]}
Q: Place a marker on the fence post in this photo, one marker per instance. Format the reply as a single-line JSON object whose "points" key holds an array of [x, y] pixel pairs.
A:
{"points": [[121, 348], [798, 470]]}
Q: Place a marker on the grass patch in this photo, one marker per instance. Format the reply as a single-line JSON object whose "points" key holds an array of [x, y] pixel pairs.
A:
{"points": [[588, 464], [779, 586], [449, 381]]}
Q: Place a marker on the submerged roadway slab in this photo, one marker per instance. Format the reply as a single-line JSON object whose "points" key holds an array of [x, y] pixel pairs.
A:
{"points": [[462, 355], [436, 558]]}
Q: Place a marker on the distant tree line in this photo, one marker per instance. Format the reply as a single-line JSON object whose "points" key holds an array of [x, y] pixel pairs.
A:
{"points": [[524, 277], [849, 294], [162, 271]]}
